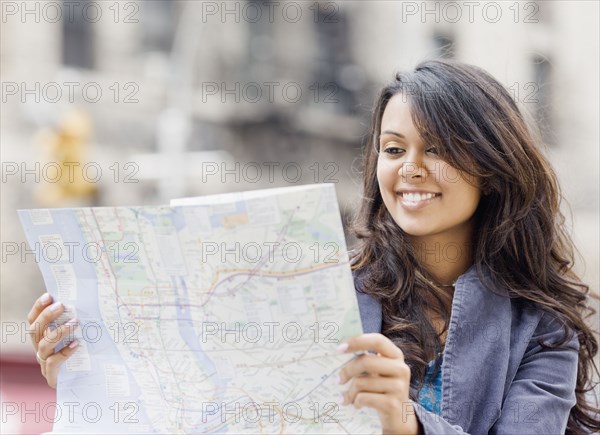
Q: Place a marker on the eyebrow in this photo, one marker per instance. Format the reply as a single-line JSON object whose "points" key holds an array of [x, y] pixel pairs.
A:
{"points": [[392, 133]]}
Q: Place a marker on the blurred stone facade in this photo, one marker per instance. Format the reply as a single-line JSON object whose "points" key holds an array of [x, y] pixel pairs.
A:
{"points": [[186, 84]]}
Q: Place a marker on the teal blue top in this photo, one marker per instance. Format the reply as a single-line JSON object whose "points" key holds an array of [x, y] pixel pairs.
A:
{"points": [[430, 396]]}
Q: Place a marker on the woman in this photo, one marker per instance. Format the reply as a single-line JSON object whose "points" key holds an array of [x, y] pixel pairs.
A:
{"points": [[463, 270], [464, 265]]}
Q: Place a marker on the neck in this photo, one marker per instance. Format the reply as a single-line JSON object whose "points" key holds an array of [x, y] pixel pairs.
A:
{"points": [[445, 256]]}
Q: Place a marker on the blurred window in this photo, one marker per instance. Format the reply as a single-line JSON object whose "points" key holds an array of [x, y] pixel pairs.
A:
{"points": [[336, 77], [78, 39], [159, 19]]}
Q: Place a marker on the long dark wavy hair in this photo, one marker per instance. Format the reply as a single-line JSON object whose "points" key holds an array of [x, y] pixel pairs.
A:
{"points": [[521, 238]]}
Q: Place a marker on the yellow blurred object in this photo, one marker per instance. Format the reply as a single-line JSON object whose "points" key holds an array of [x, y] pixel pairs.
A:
{"points": [[64, 179]]}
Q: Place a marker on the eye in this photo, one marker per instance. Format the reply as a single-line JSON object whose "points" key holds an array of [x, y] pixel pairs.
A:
{"points": [[432, 150], [391, 149]]}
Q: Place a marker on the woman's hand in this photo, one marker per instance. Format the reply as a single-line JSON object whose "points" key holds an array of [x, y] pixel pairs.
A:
{"points": [[45, 339], [380, 381]]}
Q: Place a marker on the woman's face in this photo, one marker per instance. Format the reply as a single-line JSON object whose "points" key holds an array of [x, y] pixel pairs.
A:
{"points": [[425, 195]]}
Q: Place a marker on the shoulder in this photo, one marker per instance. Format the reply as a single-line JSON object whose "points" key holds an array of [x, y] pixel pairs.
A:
{"points": [[552, 331], [530, 322], [533, 330], [369, 307], [491, 312], [481, 297], [535, 341]]}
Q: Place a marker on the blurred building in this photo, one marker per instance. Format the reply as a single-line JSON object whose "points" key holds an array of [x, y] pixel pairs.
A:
{"points": [[280, 82], [190, 86]]}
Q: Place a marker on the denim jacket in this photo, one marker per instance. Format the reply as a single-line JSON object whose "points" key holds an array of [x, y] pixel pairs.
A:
{"points": [[496, 378]]}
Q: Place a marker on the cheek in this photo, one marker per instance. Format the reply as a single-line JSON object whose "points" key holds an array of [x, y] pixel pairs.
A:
{"points": [[452, 179], [458, 183], [448, 176], [385, 186], [384, 178]]}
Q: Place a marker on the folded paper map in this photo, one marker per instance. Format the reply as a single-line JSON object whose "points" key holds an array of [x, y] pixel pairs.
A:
{"points": [[219, 314]]}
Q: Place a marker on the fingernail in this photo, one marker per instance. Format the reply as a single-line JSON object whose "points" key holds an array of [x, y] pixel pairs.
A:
{"points": [[71, 322], [341, 400], [44, 299], [55, 306], [342, 348], [339, 379], [73, 344]]}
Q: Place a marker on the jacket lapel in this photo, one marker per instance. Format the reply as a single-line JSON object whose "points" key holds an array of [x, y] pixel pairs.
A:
{"points": [[476, 354]]}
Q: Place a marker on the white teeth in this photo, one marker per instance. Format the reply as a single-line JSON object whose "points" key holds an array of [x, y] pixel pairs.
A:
{"points": [[416, 197]]}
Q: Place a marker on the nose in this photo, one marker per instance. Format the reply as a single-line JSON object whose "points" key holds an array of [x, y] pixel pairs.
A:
{"points": [[413, 169]]}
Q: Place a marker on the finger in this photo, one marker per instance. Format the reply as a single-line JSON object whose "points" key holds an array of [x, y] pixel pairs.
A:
{"points": [[375, 342], [39, 325], [41, 303], [371, 384], [383, 403], [376, 366], [54, 362], [54, 336]]}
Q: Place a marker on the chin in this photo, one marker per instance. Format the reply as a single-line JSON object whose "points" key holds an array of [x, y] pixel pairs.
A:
{"points": [[417, 232], [415, 229]]}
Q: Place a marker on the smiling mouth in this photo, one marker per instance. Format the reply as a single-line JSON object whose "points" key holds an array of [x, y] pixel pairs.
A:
{"points": [[417, 198]]}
